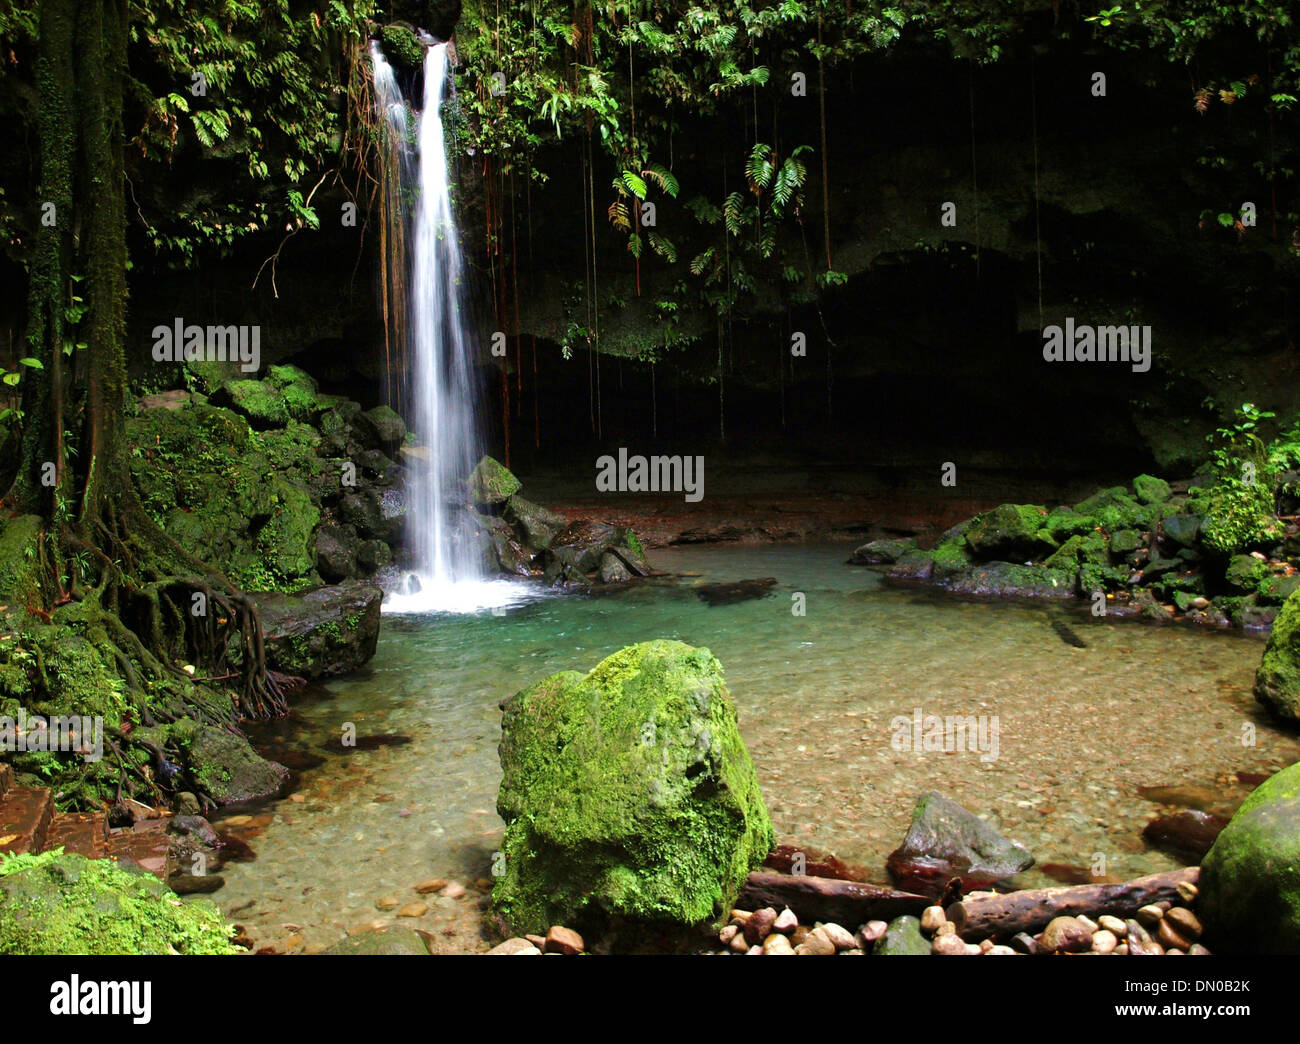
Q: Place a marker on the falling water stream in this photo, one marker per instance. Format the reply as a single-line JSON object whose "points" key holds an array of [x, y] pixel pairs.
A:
{"points": [[448, 563]]}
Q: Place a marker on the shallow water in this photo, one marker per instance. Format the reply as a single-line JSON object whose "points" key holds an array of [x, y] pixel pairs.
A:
{"points": [[1079, 730]]}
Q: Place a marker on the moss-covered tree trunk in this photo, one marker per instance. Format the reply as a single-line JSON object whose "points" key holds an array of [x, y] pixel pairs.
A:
{"points": [[103, 571]]}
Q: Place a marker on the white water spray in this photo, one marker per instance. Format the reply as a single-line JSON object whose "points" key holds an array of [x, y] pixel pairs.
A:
{"points": [[448, 562]]}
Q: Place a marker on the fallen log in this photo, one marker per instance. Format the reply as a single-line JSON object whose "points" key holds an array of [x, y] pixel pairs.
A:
{"points": [[847, 903], [1001, 915]]}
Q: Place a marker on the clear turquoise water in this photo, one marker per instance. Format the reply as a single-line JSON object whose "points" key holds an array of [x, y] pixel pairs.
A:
{"points": [[1079, 730]]}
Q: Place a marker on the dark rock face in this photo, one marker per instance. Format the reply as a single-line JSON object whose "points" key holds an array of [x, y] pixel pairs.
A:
{"points": [[336, 552], [946, 841], [323, 633]]}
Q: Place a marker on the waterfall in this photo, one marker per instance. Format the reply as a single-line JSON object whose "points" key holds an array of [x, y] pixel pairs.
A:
{"points": [[425, 300]]}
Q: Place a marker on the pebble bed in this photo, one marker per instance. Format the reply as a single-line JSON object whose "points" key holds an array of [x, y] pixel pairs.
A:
{"points": [[1160, 929]]}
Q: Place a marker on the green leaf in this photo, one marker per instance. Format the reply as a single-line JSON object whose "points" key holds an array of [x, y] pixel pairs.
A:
{"points": [[35, 364]]}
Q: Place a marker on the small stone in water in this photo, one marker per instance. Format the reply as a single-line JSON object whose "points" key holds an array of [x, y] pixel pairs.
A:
{"points": [[436, 884], [1185, 923], [1150, 915], [785, 922], [1169, 936], [738, 943], [452, 891], [1187, 891], [816, 944], [413, 910], [1023, 942], [999, 951], [949, 946], [931, 918], [1113, 925], [564, 940], [1087, 922], [739, 917], [728, 933], [870, 932], [839, 936], [514, 948], [800, 933], [387, 902], [1065, 935], [777, 945], [947, 928], [759, 925], [1104, 941]]}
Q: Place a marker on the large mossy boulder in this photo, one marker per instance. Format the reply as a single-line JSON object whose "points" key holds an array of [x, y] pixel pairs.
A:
{"points": [[1277, 682], [628, 795], [58, 903], [1250, 878]]}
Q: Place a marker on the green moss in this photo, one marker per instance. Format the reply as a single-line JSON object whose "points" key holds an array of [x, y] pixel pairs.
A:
{"points": [[628, 794], [1250, 878], [262, 403], [58, 903], [492, 482], [401, 46], [951, 558], [1151, 490], [1239, 516], [1277, 681], [1010, 531]]}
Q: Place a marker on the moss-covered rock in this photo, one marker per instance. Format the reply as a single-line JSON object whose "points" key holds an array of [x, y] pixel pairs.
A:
{"points": [[401, 46], [539, 525], [1245, 572], [950, 558], [59, 903], [381, 428], [298, 389], [1151, 490], [491, 482], [1184, 529], [627, 793], [1277, 682], [393, 941], [1250, 878], [324, 633], [259, 401], [903, 938], [224, 764], [1013, 579], [1009, 531]]}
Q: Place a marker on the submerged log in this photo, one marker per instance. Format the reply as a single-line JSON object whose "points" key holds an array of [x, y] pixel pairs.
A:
{"points": [[1002, 915], [847, 903]]}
